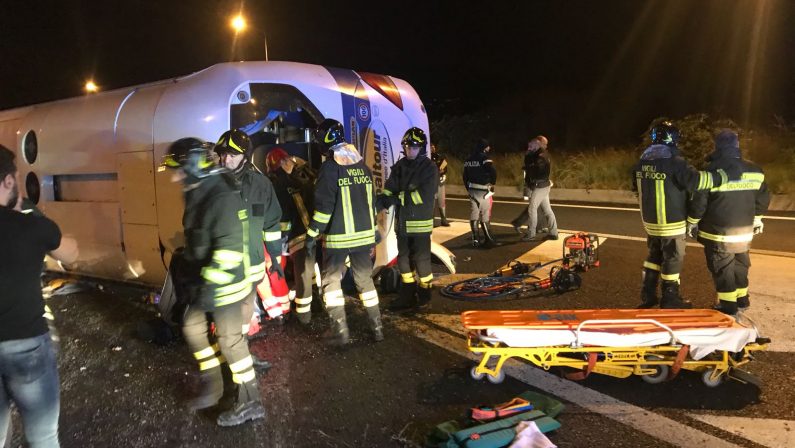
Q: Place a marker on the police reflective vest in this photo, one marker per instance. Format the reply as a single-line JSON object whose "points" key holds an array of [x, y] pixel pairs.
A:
{"points": [[264, 214], [663, 181], [413, 185], [479, 171], [215, 223], [297, 198], [726, 214], [344, 202]]}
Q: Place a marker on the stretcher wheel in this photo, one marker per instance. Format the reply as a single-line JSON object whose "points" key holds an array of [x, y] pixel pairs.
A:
{"points": [[473, 372], [659, 376], [496, 379], [706, 377]]}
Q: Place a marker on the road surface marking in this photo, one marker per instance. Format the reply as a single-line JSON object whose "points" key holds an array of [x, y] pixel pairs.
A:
{"points": [[599, 207], [764, 431], [643, 420]]}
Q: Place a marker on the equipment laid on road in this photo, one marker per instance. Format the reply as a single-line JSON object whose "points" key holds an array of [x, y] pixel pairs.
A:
{"points": [[581, 251], [655, 344]]}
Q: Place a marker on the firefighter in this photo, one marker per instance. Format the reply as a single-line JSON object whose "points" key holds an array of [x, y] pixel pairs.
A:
{"points": [[479, 179], [725, 220], [663, 181], [235, 151], [441, 198], [214, 276], [411, 186], [294, 182], [345, 214]]}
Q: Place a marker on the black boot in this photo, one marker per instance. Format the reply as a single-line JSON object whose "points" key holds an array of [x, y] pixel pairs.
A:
{"points": [[648, 293], [304, 318], [490, 241], [423, 295], [443, 215], [743, 302], [671, 298], [473, 225], [211, 390], [727, 307], [338, 334], [374, 318], [406, 298], [248, 406]]}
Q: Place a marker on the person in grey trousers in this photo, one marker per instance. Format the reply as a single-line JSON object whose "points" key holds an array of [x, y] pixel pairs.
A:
{"points": [[537, 185]]}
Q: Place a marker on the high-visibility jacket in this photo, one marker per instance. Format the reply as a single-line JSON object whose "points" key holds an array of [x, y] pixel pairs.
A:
{"points": [[725, 215], [344, 202], [264, 214], [664, 181], [215, 223], [479, 171], [413, 185], [296, 193]]}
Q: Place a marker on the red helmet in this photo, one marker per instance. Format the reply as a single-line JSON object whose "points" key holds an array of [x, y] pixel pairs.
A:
{"points": [[274, 159]]}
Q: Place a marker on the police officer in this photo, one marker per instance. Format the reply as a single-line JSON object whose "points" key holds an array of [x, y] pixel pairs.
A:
{"points": [[294, 182], [234, 150], [725, 220], [441, 164], [345, 214], [411, 187], [663, 181], [214, 272], [479, 179]]}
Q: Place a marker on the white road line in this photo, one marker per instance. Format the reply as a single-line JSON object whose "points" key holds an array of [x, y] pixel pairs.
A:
{"points": [[598, 207], [643, 420], [764, 431]]}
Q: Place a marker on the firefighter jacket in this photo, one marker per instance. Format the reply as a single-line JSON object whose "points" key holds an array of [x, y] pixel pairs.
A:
{"points": [[663, 181], [412, 184], [479, 172], [536, 169], [296, 193], [725, 214], [216, 255], [441, 164], [264, 214], [344, 202]]}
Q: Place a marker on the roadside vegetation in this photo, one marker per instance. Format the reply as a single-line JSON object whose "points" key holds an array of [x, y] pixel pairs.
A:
{"points": [[610, 168]]}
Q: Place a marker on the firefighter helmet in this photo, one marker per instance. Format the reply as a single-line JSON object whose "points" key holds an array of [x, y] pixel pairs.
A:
{"points": [[235, 141], [414, 137], [329, 134], [190, 154], [664, 133], [275, 158]]}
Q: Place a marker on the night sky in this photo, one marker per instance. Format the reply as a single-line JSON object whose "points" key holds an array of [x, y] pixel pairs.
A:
{"points": [[585, 72]]}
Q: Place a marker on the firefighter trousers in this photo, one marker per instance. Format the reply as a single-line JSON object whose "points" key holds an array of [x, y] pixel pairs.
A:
{"points": [[414, 253], [666, 256], [361, 269], [729, 272], [479, 205], [303, 271], [231, 347]]}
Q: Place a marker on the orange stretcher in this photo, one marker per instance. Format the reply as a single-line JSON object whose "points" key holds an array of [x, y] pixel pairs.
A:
{"points": [[655, 344]]}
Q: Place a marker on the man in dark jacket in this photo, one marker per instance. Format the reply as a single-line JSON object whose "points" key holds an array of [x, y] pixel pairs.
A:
{"points": [[410, 188], [441, 164], [215, 274], [345, 216], [536, 169], [479, 179], [664, 181], [726, 219], [294, 183]]}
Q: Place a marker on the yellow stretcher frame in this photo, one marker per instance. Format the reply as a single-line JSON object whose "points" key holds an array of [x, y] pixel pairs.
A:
{"points": [[654, 364]]}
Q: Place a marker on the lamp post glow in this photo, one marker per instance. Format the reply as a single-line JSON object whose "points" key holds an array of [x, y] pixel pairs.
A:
{"points": [[90, 87], [238, 24]]}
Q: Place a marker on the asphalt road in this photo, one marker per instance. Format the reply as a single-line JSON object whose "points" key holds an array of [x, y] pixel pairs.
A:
{"points": [[118, 390]]}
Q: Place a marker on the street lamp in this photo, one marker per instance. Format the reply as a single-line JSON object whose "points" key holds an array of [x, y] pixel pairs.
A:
{"points": [[238, 23], [91, 87]]}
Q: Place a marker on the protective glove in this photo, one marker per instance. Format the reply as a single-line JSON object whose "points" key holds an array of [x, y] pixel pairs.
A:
{"points": [[276, 269], [442, 178], [759, 226], [309, 244], [692, 230]]}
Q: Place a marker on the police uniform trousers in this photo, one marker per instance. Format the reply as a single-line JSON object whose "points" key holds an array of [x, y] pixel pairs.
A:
{"points": [[227, 345], [303, 271], [441, 199], [480, 205], [666, 256], [729, 271], [362, 270], [414, 253]]}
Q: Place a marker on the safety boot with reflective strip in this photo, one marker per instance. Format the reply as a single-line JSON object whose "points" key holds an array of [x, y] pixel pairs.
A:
{"points": [[424, 290], [370, 302], [406, 295], [211, 381], [671, 298], [648, 293]]}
